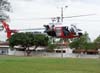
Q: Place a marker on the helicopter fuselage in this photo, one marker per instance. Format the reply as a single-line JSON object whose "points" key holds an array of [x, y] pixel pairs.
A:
{"points": [[61, 32]]}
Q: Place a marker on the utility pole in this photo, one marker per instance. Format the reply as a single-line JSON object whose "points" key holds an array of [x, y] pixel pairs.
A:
{"points": [[62, 16], [62, 12]]}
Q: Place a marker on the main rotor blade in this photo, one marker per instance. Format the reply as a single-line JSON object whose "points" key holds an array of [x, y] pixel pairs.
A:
{"points": [[55, 17], [79, 15]]}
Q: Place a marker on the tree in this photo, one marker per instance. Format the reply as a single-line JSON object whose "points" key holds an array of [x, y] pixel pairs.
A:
{"points": [[24, 40], [89, 45], [83, 44], [80, 43], [97, 42], [51, 47], [27, 40], [4, 6]]}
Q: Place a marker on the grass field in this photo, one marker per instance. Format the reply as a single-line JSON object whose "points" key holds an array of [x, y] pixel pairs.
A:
{"points": [[48, 65]]}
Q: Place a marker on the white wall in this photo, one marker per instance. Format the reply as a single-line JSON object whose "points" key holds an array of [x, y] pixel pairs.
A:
{"points": [[15, 52], [11, 52]]}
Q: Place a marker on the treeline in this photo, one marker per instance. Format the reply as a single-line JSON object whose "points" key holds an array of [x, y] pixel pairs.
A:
{"points": [[27, 40], [84, 44]]}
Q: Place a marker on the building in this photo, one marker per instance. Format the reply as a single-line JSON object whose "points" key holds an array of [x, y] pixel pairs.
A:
{"points": [[5, 50], [18, 50], [4, 46], [63, 47]]}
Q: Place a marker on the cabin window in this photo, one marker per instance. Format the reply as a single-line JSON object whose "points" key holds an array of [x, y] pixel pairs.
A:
{"points": [[59, 51], [58, 31]]}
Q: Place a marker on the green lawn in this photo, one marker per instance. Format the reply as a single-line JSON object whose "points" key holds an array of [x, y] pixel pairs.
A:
{"points": [[10, 64]]}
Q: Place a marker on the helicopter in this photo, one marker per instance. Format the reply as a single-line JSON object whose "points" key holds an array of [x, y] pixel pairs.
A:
{"points": [[62, 31], [50, 29]]}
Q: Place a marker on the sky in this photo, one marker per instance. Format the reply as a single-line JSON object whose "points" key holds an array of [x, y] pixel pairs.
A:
{"points": [[27, 14]]}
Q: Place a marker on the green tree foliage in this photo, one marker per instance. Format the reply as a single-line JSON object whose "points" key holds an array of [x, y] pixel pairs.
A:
{"points": [[20, 39], [97, 39], [27, 40], [80, 43], [40, 40], [89, 45], [51, 47], [97, 42]]}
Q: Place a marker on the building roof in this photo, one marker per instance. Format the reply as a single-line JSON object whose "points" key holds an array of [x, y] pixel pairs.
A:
{"points": [[4, 45]]}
